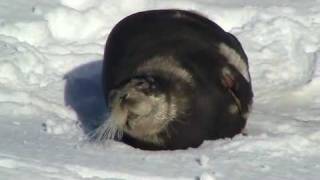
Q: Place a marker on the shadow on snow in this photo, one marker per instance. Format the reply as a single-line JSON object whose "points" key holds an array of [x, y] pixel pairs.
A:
{"points": [[84, 94]]}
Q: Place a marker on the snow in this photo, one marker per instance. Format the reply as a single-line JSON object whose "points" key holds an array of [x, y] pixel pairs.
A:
{"points": [[50, 96]]}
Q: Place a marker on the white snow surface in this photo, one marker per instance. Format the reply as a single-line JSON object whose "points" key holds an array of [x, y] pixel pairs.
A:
{"points": [[50, 64]]}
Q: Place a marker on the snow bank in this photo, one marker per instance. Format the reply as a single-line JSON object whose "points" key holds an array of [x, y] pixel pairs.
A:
{"points": [[282, 56], [50, 93], [71, 25]]}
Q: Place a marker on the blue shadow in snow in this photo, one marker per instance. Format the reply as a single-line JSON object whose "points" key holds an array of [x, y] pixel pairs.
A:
{"points": [[84, 94]]}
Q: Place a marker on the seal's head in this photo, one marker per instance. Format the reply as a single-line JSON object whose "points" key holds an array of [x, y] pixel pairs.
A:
{"points": [[142, 106]]}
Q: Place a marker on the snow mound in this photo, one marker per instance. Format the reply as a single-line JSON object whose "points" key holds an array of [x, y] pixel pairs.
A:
{"points": [[283, 53], [71, 25], [51, 97]]}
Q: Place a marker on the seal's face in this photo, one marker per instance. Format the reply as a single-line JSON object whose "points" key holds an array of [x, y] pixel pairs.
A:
{"points": [[140, 109]]}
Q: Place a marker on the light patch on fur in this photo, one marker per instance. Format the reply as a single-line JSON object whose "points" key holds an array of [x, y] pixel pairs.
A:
{"points": [[182, 14], [143, 105], [236, 99], [228, 79], [165, 114], [178, 14], [235, 60], [154, 123], [166, 111], [167, 65], [233, 109], [245, 115], [226, 71]]}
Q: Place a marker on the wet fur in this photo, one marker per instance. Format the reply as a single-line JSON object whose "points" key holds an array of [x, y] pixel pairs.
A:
{"points": [[185, 55]]}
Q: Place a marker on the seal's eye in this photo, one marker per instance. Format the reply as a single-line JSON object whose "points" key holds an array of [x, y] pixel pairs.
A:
{"points": [[141, 84], [146, 85]]}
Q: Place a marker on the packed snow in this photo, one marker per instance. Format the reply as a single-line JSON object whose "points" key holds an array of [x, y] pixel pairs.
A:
{"points": [[51, 99]]}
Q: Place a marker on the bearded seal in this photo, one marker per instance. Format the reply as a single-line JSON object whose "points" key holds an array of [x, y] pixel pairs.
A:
{"points": [[172, 79]]}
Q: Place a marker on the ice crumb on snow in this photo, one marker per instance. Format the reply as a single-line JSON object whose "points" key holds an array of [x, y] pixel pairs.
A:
{"points": [[203, 160], [265, 168], [57, 127], [37, 10]]}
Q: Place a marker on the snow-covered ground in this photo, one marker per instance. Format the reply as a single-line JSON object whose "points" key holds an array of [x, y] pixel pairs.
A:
{"points": [[50, 62]]}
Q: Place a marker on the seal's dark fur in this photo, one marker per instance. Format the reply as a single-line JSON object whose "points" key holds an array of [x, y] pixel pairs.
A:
{"points": [[193, 41]]}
